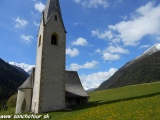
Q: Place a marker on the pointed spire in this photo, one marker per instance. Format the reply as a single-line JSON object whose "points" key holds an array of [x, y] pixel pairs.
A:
{"points": [[51, 7]]}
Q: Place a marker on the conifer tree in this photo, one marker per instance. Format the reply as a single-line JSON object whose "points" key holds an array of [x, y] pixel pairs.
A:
{"points": [[23, 107]]}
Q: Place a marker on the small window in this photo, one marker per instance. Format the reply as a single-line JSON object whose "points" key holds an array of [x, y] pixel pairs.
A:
{"points": [[39, 41], [54, 40], [55, 17]]}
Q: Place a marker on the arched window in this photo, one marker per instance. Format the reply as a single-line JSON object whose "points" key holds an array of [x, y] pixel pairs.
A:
{"points": [[55, 17], [54, 40], [39, 41]]}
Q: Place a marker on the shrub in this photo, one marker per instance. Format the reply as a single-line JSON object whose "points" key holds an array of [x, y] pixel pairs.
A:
{"points": [[12, 101]]}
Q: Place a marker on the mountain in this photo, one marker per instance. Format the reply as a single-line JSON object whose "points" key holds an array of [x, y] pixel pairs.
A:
{"points": [[90, 90], [21, 70], [10, 79], [148, 52], [143, 69], [26, 67]]}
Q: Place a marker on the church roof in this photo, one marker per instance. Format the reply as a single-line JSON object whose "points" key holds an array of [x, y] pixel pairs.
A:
{"points": [[51, 7], [73, 86], [28, 84]]}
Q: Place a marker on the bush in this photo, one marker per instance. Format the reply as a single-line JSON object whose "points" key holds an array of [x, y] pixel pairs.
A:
{"points": [[12, 101]]}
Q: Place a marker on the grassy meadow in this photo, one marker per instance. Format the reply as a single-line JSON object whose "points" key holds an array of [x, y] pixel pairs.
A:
{"points": [[138, 102]]}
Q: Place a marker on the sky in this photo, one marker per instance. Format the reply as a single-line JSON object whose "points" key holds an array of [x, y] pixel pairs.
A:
{"points": [[102, 35]]}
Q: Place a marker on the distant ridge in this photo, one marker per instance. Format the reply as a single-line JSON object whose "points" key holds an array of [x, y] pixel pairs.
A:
{"points": [[10, 79], [150, 51], [143, 69], [21, 70], [24, 66], [90, 90]]}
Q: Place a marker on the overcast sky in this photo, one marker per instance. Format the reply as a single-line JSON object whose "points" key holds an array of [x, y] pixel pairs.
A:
{"points": [[102, 35]]}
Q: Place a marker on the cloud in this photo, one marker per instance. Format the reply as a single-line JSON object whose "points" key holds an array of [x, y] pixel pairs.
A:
{"points": [[36, 24], [80, 42], [117, 2], [105, 35], [109, 56], [95, 79], [145, 21], [124, 17], [112, 52], [20, 23], [35, 15], [144, 46], [72, 52], [116, 40], [77, 23], [117, 49], [98, 51], [26, 38], [158, 37], [77, 1], [87, 65], [39, 6], [93, 3]]}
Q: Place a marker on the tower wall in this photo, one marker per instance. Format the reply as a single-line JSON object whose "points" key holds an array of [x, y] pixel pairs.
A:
{"points": [[37, 77], [52, 90], [49, 85]]}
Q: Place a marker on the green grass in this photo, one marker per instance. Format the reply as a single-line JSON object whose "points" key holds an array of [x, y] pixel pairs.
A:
{"points": [[10, 111], [139, 102]]}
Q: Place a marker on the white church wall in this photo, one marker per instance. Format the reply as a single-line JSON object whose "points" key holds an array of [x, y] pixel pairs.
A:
{"points": [[24, 94], [52, 88], [36, 87]]}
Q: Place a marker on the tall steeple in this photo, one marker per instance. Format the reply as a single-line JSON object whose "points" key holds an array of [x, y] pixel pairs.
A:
{"points": [[49, 82], [51, 7]]}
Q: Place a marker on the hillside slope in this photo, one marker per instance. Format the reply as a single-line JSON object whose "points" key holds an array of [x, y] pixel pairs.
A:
{"points": [[144, 70], [10, 79], [138, 102]]}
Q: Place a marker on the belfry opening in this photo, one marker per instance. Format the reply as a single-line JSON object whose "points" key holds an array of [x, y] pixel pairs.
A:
{"points": [[54, 40]]}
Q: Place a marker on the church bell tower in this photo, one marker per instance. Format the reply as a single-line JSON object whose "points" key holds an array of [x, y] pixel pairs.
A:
{"points": [[49, 81]]}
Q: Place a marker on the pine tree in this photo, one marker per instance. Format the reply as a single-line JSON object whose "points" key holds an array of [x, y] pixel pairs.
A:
{"points": [[23, 107]]}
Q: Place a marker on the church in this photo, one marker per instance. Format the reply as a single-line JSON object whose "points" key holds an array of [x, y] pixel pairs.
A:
{"points": [[50, 87]]}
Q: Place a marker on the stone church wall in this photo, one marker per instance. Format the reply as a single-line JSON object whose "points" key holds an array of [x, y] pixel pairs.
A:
{"points": [[24, 94], [53, 68], [36, 87]]}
